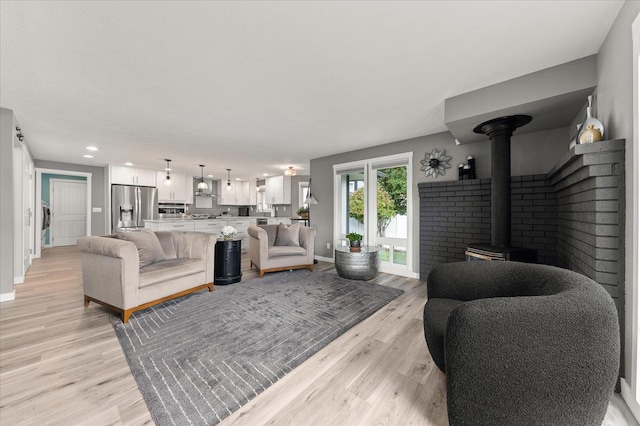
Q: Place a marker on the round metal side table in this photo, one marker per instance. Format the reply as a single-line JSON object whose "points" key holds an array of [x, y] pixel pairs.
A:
{"points": [[357, 265]]}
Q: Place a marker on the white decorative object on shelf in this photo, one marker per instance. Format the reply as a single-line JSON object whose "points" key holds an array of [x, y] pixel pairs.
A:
{"points": [[592, 129]]}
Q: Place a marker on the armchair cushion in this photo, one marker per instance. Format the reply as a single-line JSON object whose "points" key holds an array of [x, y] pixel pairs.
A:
{"points": [[278, 251], [147, 243], [288, 235]]}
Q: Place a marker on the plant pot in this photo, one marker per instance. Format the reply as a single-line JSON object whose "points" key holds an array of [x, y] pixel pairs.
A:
{"points": [[304, 216], [354, 245]]}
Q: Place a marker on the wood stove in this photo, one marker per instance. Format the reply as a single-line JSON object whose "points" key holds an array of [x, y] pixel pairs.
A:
{"points": [[500, 131]]}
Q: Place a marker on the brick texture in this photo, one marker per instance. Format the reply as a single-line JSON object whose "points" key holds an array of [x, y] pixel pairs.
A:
{"points": [[573, 216]]}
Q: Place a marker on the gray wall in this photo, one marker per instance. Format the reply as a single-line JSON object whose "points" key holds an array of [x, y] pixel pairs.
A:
{"points": [[532, 153], [98, 185], [6, 193], [614, 107]]}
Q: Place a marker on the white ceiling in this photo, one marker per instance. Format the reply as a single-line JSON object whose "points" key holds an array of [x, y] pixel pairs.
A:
{"points": [[259, 86]]}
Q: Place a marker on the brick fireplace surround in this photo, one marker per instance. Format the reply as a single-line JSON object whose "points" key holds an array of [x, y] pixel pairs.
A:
{"points": [[573, 216]]}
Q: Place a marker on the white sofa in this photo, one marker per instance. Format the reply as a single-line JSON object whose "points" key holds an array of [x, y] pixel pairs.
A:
{"points": [[113, 276]]}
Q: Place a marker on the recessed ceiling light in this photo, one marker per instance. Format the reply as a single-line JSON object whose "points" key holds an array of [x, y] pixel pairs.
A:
{"points": [[88, 156], [92, 148], [128, 164], [265, 174], [237, 178], [209, 175]]}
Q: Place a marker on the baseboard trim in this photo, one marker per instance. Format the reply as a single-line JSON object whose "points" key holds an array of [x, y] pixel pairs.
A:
{"points": [[627, 395], [7, 297], [400, 272], [325, 259]]}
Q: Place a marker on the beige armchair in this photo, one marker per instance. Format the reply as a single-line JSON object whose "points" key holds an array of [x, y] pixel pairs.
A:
{"points": [[128, 276], [271, 256]]}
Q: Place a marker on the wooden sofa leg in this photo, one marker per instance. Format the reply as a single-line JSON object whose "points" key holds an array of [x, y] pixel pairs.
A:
{"points": [[210, 287], [261, 273], [126, 314], [311, 267], [86, 300]]}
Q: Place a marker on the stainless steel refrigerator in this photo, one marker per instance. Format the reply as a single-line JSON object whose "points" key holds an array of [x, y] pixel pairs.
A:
{"points": [[132, 205]]}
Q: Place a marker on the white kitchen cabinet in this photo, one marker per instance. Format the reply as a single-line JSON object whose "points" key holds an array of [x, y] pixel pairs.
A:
{"points": [[131, 176], [277, 190], [228, 196], [243, 193], [241, 226], [210, 226], [238, 195], [253, 194], [278, 220], [178, 225], [179, 190]]}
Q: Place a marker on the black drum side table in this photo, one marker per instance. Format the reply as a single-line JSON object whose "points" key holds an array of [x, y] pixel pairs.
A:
{"points": [[227, 261]]}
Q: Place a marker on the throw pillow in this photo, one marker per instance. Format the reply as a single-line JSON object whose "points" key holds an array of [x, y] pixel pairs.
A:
{"points": [[288, 235], [147, 243]]}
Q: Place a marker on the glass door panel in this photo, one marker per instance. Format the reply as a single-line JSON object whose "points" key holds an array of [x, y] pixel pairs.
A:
{"points": [[391, 214]]}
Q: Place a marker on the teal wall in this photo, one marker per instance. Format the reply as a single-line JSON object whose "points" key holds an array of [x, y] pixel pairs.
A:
{"points": [[46, 190]]}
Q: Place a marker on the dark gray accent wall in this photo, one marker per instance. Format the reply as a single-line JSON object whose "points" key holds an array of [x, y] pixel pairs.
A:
{"points": [[6, 207], [591, 211], [98, 196], [532, 153], [456, 214], [614, 107]]}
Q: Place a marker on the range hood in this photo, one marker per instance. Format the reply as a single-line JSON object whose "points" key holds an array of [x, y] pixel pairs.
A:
{"points": [[210, 192]]}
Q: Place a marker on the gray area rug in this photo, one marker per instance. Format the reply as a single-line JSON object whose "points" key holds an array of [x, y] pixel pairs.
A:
{"points": [[199, 358]]}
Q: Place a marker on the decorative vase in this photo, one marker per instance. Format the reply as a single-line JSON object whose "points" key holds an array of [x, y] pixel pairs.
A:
{"points": [[304, 216], [590, 135], [228, 238], [590, 121], [354, 245]]}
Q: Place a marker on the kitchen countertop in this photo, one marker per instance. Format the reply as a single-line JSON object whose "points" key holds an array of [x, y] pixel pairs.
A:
{"points": [[213, 219]]}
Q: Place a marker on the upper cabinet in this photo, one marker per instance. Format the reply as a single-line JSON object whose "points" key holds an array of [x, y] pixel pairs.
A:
{"points": [[180, 190], [130, 176], [277, 190], [238, 195]]}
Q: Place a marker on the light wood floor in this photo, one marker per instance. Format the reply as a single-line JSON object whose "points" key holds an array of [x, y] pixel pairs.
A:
{"points": [[62, 364]]}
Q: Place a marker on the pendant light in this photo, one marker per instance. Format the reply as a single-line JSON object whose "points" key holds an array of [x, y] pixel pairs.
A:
{"points": [[257, 184], [228, 179], [290, 171], [202, 185], [167, 180], [310, 198]]}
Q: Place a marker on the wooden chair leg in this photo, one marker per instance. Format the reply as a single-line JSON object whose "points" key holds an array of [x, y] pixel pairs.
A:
{"points": [[311, 267], [210, 287]]}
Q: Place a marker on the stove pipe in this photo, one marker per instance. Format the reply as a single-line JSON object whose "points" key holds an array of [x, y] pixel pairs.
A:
{"points": [[499, 131]]}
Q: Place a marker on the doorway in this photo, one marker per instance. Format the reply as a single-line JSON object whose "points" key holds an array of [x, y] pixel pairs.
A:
{"points": [[68, 211], [371, 199]]}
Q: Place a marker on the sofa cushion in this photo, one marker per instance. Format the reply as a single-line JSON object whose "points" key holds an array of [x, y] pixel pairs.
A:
{"points": [[288, 235], [436, 314], [279, 251], [170, 269], [147, 243]]}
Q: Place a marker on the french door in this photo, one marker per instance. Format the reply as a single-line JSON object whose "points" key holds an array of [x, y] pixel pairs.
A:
{"points": [[372, 199]]}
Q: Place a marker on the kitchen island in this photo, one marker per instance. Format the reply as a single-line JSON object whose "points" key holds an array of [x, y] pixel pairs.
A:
{"points": [[210, 226]]}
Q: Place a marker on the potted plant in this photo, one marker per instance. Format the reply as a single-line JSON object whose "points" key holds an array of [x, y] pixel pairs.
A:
{"points": [[228, 232], [354, 241], [303, 212]]}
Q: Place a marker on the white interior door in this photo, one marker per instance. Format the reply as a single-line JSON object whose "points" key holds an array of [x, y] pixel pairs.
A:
{"points": [[27, 207], [68, 211]]}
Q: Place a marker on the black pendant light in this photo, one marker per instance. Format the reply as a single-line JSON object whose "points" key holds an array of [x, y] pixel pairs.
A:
{"points": [[167, 180]]}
